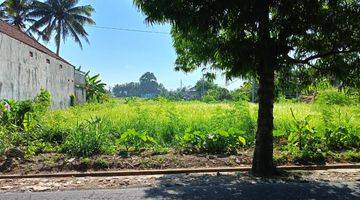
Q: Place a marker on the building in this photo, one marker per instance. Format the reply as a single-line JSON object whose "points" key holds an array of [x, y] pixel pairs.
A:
{"points": [[26, 66]]}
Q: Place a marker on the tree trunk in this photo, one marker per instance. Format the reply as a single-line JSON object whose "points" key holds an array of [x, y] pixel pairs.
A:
{"points": [[263, 164], [58, 47], [58, 38]]}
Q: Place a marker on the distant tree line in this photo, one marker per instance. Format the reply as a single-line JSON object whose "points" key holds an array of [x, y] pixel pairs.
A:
{"points": [[291, 84], [147, 87]]}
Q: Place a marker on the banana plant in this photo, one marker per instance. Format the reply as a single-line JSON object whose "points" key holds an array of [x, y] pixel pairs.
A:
{"points": [[95, 88]]}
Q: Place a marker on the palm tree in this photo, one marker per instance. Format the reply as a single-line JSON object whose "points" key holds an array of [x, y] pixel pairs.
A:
{"points": [[62, 18], [16, 12]]}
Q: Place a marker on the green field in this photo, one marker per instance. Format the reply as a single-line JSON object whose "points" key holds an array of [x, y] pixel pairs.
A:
{"points": [[312, 132], [200, 127]]}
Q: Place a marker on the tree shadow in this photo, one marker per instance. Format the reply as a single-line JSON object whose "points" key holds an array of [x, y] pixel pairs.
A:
{"points": [[245, 187]]}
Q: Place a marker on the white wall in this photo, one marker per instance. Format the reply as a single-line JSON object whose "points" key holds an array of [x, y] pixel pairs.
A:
{"points": [[22, 76]]}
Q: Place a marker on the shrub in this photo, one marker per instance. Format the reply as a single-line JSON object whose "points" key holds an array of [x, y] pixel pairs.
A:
{"points": [[133, 139], [3, 140], [340, 133], [333, 97], [352, 156], [42, 101], [87, 139], [84, 164], [239, 95], [100, 163], [304, 142], [23, 113], [217, 142], [309, 157], [216, 94]]}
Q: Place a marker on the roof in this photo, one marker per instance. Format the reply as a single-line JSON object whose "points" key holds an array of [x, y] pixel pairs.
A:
{"points": [[17, 34]]}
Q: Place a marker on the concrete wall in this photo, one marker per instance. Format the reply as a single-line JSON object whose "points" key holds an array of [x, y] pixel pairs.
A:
{"points": [[25, 70], [80, 92]]}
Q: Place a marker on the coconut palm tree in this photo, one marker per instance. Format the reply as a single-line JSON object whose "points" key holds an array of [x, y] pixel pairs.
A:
{"points": [[16, 12], [62, 18]]}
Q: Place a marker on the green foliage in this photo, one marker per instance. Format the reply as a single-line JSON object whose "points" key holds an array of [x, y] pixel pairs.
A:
{"points": [[95, 89], [17, 12], [85, 163], [333, 97], [303, 135], [340, 133], [218, 142], [352, 156], [216, 94], [147, 87], [4, 142], [87, 139], [133, 139], [304, 143], [23, 114], [239, 95], [101, 164], [214, 34], [61, 19], [134, 125]]}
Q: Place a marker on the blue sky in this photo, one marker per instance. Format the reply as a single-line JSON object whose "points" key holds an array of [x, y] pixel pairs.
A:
{"points": [[120, 56]]}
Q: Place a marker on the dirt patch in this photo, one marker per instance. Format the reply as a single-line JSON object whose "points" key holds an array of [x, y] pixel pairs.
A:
{"points": [[52, 162]]}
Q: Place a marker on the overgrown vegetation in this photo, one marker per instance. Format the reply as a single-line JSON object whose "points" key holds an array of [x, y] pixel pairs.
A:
{"points": [[304, 133]]}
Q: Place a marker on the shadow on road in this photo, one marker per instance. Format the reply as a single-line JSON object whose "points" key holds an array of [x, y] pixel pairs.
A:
{"points": [[244, 187]]}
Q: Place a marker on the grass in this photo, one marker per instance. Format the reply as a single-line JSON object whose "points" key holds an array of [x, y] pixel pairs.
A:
{"points": [[305, 132], [175, 117]]}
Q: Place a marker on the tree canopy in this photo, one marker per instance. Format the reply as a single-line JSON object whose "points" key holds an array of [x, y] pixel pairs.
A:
{"points": [[48, 18], [256, 38], [16, 12], [146, 87], [63, 18], [226, 34]]}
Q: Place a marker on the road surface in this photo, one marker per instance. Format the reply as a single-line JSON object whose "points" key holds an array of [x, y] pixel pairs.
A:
{"points": [[273, 190]]}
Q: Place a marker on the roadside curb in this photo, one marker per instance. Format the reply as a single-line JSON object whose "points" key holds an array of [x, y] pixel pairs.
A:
{"points": [[176, 171]]}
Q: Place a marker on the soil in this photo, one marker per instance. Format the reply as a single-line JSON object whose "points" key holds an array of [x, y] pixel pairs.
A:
{"points": [[50, 163], [53, 162]]}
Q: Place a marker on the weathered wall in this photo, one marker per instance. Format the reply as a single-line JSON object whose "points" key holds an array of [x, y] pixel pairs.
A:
{"points": [[80, 91], [22, 75]]}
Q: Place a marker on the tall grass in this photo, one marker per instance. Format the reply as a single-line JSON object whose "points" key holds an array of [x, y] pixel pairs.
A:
{"points": [[215, 127]]}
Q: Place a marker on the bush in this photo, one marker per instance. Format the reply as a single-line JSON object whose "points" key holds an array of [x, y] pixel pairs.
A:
{"points": [[333, 97], [133, 139], [305, 144], [87, 139], [216, 94], [239, 95], [100, 164], [22, 113], [340, 133], [216, 143]]}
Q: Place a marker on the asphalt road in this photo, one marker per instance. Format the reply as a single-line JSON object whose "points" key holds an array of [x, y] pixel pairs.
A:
{"points": [[233, 190]]}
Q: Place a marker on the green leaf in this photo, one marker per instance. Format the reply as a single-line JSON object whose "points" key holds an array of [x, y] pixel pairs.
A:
{"points": [[242, 140]]}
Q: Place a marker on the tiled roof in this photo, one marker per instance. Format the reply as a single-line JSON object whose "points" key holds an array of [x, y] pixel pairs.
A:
{"points": [[17, 34]]}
